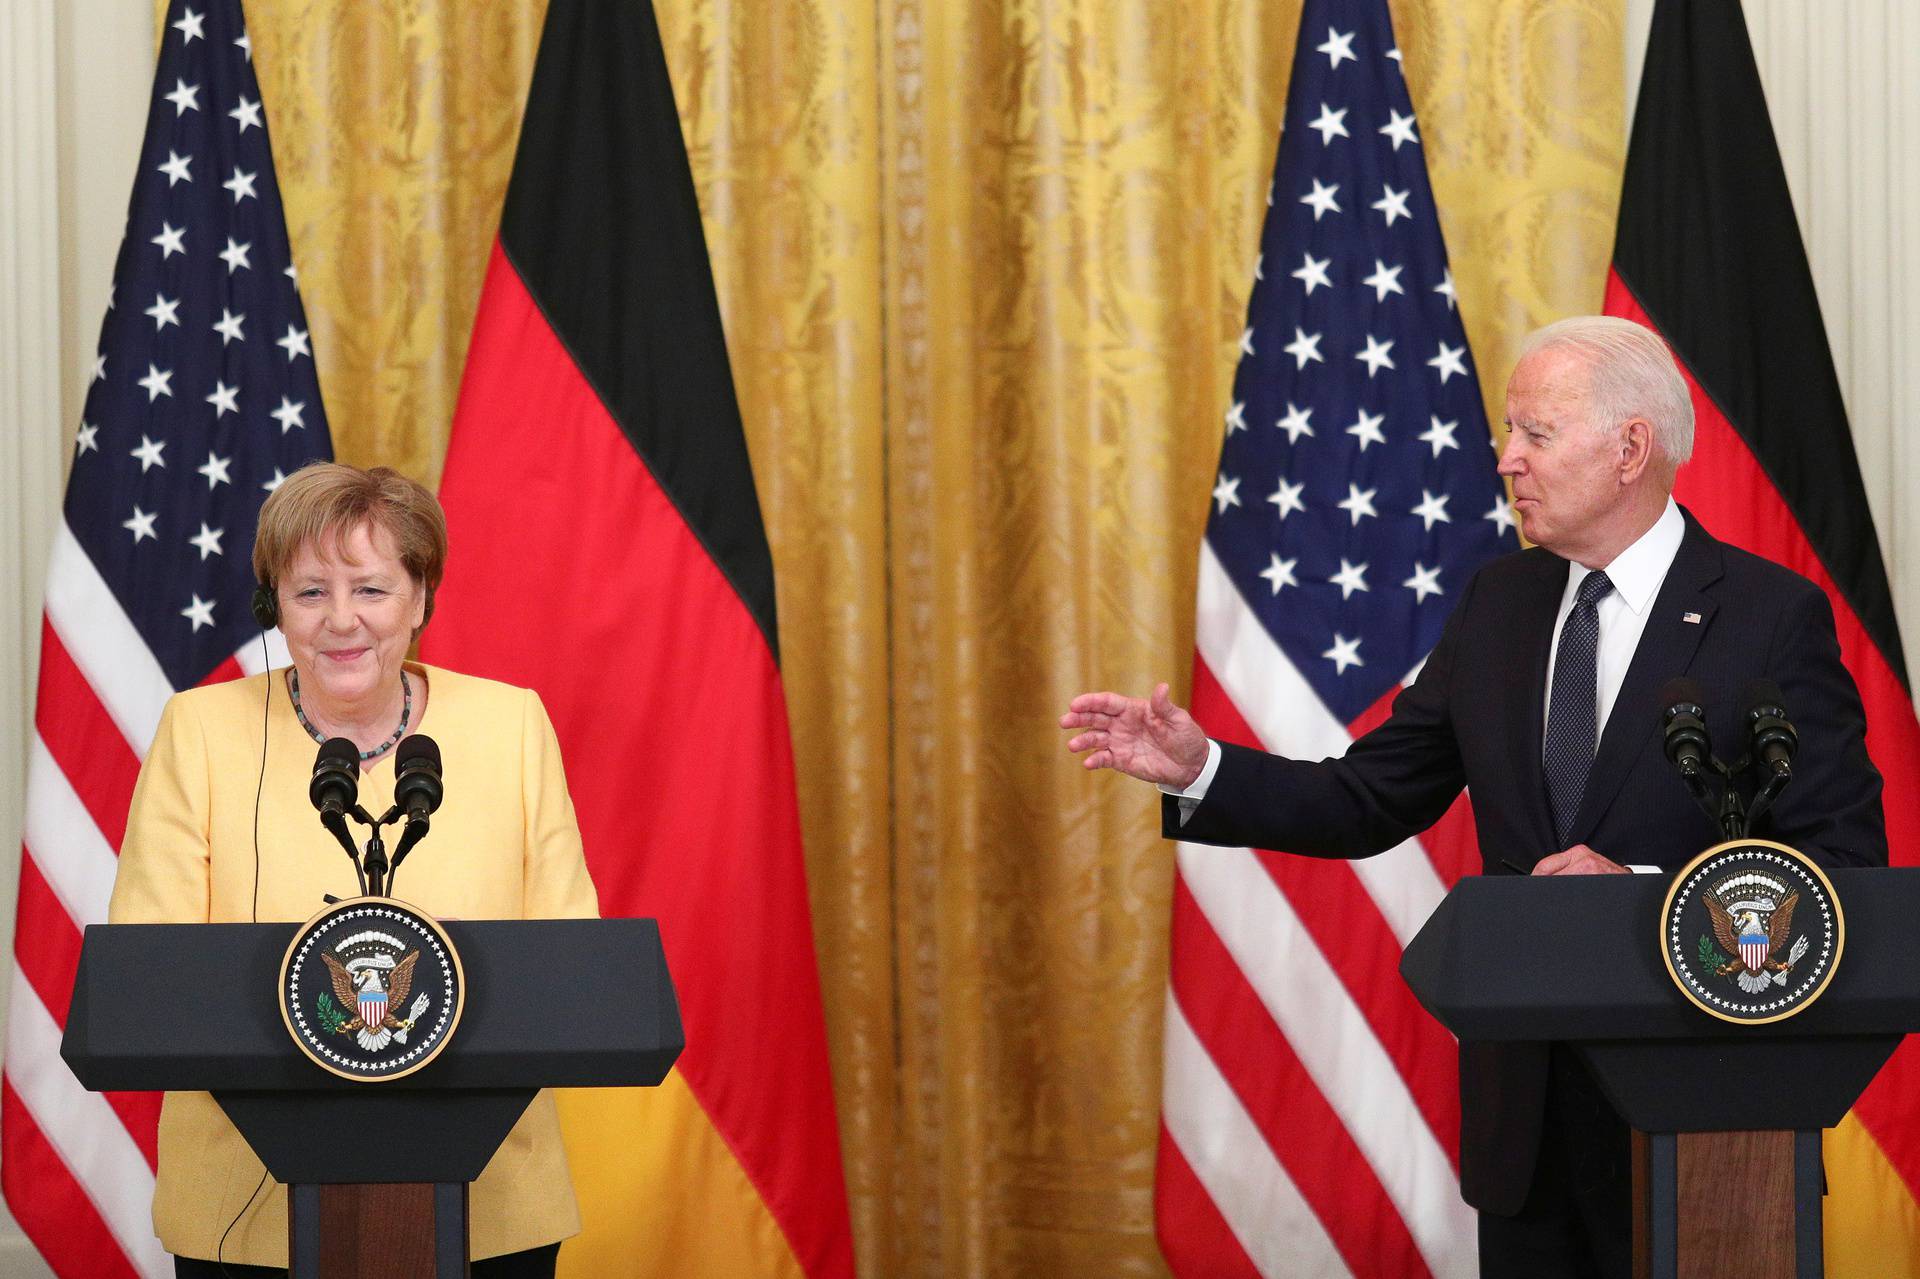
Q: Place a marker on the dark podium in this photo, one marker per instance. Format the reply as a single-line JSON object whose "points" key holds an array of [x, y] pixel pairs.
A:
{"points": [[377, 1173], [1727, 1177]]}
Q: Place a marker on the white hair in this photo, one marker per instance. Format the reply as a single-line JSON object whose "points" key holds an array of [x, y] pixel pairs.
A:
{"points": [[1631, 373]]}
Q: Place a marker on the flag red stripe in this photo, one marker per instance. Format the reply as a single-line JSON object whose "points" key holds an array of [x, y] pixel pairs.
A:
{"points": [[1727, 488], [49, 1204], [1194, 1238], [1302, 1129], [1340, 915], [677, 746], [83, 739]]}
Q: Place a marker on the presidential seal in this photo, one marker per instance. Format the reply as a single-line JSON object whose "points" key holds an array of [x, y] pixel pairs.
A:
{"points": [[371, 989], [1751, 931]]}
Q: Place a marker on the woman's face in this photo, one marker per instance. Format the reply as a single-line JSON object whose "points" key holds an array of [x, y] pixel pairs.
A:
{"points": [[349, 609]]}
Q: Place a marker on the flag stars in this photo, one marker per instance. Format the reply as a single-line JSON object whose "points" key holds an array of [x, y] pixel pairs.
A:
{"points": [[1501, 515], [216, 470], [1226, 493], [1246, 340], [1440, 434], [294, 343], [1237, 417], [149, 454], [1296, 423], [157, 382], [1432, 510], [1366, 429], [1313, 273], [1399, 128], [235, 255], [244, 43], [1287, 498], [200, 612], [100, 367], [1450, 360], [1445, 289], [248, 114], [185, 97], [225, 399], [1338, 46], [141, 525], [1392, 203], [241, 184], [1303, 348], [178, 168], [165, 311], [1322, 199], [171, 240], [292, 274], [1424, 582], [192, 26], [1350, 578], [1358, 503], [1330, 124], [279, 477], [207, 541], [1377, 355], [228, 327], [1279, 572], [1344, 653], [1384, 280], [86, 440]]}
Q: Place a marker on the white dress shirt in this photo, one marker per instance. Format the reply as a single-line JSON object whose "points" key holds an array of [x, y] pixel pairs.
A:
{"points": [[1636, 573]]}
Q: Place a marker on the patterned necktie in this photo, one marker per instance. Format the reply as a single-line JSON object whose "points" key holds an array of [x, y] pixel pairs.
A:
{"points": [[1572, 727]]}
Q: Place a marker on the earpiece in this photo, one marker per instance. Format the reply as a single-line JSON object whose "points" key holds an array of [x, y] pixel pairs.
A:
{"points": [[266, 607]]}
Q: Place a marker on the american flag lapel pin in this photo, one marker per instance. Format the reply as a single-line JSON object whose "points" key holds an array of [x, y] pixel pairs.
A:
{"points": [[1691, 619]]}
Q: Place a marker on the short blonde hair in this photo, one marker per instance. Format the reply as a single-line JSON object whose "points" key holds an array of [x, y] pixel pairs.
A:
{"points": [[1631, 373], [324, 501]]}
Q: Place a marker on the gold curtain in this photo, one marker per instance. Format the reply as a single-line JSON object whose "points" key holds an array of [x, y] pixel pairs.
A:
{"points": [[983, 264]]}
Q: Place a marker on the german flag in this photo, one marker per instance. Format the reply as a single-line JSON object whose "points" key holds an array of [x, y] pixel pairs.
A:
{"points": [[611, 555], [1709, 256]]}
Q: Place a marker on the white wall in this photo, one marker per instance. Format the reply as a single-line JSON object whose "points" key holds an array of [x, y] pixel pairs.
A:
{"points": [[1843, 85]]}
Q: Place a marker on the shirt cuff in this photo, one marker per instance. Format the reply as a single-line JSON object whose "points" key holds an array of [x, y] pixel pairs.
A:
{"points": [[1196, 792], [1646, 870]]}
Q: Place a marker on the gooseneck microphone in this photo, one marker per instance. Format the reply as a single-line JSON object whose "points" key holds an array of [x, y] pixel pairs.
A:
{"points": [[1685, 718], [1772, 741], [335, 791], [418, 789]]}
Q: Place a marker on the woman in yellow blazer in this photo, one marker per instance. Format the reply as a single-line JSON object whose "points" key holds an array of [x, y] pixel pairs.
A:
{"points": [[348, 560]]}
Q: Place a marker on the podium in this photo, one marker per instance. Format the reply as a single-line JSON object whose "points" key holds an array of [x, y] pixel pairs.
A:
{"points": [[1727, 1118], [377, 1173]]}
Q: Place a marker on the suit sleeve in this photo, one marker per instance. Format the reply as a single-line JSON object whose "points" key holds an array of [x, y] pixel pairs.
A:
{"points": [[1831, 810], [164, 876], [557, 883], [1393, 783]]}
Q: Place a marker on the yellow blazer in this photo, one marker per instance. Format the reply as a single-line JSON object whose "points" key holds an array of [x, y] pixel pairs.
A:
{"points": [[504, 845]]}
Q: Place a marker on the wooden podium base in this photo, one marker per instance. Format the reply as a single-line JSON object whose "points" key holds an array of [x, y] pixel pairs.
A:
{"points": [[1727, 1202], [395, 1230]]}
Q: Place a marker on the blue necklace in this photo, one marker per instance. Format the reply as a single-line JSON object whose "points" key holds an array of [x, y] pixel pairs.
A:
{"points": [[406, 712]]}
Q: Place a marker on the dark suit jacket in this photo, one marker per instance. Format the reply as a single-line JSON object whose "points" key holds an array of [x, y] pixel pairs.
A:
{"points": [[1474, 718]]}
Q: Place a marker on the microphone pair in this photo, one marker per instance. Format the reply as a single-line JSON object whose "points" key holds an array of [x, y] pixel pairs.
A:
{"points": [[1771, 739], [418, 788]]}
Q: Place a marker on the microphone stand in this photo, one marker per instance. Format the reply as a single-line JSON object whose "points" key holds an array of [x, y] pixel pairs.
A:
{"points": [[373, 882]]}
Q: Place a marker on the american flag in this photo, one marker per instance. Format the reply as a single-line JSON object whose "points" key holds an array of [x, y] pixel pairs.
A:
{"points": [[203, 398], [1310, 1119]]}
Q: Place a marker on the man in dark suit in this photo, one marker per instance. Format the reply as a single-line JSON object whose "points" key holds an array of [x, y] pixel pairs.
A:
{"points": [[1541, 698]]}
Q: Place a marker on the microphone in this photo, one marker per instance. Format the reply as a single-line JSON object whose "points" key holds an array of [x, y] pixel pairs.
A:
{"points": [[336, 778], [1687, 745], [417, 786], [417, 791], [1772, 739]]}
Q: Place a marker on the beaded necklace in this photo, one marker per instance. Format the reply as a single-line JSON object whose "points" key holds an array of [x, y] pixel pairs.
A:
{"points": [[406, 712]]}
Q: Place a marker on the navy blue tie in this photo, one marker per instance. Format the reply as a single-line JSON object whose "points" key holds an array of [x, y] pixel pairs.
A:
{"points": [[1573, 719]]}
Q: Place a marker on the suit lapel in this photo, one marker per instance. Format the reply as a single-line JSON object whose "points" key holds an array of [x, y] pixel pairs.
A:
{"points": [[1666, 649], [1535, 640]]}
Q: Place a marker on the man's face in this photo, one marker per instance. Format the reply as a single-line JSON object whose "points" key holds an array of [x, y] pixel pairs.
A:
{"points": [[1567, 476]]}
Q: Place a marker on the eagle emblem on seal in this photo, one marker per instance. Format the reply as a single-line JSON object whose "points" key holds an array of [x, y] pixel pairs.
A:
{"points": [[1752, 916], [374, 982]]}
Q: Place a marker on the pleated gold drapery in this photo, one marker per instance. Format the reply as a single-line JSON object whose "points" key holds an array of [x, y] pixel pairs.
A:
{"points": [[983, 265]]}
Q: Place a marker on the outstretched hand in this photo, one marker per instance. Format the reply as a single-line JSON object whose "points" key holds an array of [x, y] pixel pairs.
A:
{"points": [[1153, 740]]}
